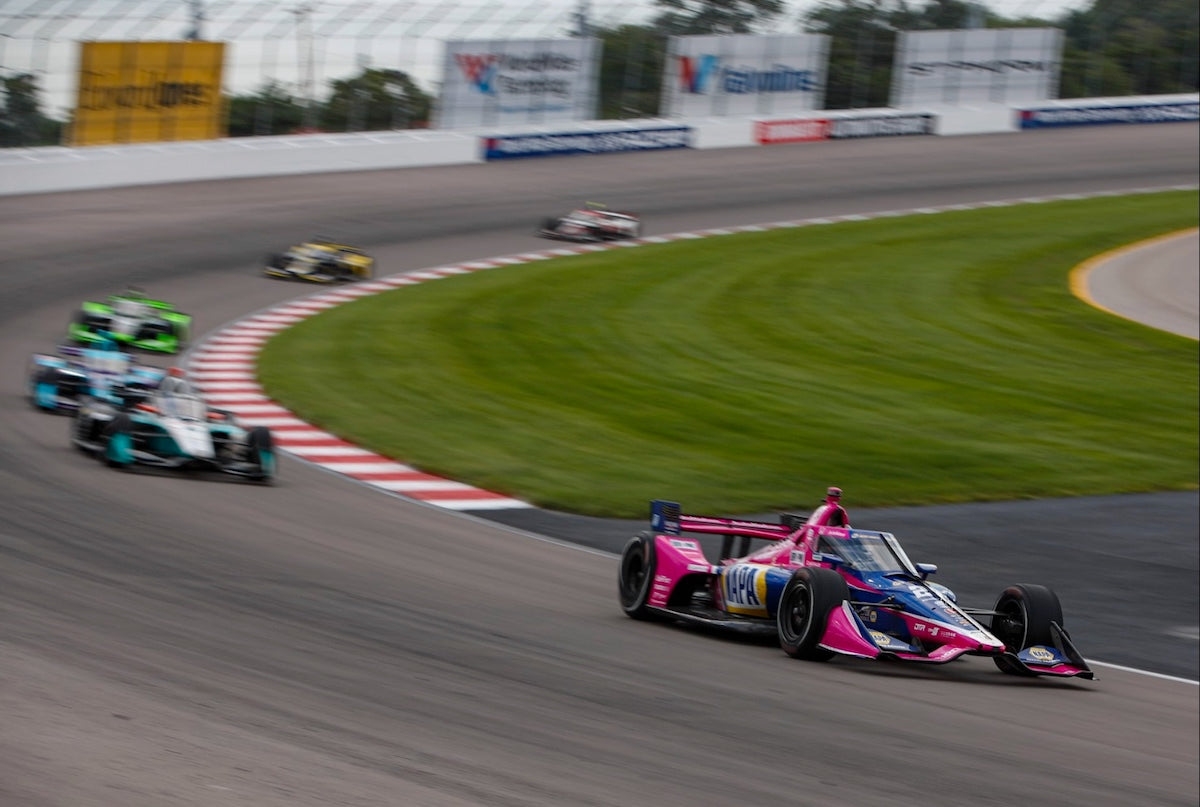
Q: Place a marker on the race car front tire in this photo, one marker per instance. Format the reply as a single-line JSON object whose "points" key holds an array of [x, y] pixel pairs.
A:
{"points": [[636, 575], [804, 608], [261, 449], [1022, 619], [118, 442], [83, 432]]}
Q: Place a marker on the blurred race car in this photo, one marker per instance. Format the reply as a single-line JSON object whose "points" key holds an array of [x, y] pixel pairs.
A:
{"points": [[133, 320], [825, 588], [594, 222], [173, 428], [59, 382], [321, 261]]}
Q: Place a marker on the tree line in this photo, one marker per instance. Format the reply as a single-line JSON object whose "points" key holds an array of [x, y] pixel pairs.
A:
{"points": [[1111, 48]]}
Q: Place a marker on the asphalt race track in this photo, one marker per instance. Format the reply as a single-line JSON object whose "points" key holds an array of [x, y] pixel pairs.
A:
{"points": [[167, 640]]}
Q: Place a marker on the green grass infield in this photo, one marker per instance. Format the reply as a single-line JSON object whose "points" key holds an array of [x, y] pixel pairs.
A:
{"points": [[914, 359]]}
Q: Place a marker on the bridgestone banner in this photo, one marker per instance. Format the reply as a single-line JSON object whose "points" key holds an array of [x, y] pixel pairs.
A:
{"points": [[140, 92], [518, 81], [977, 65], [743, 74]]}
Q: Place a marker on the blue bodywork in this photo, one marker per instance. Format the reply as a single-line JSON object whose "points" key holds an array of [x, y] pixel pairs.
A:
{"points": [[59, 382]]}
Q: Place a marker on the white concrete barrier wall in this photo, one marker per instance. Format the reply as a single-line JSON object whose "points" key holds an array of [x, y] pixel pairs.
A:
{"points": [[44, 170], [981, 119]]}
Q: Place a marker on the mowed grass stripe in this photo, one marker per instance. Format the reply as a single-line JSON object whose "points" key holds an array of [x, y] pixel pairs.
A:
{"points": [[911, 360]]}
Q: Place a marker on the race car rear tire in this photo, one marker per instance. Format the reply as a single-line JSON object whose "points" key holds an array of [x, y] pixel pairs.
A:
{"points": [[804, 608], [636, 576], [1022, 619], [44, 376]]}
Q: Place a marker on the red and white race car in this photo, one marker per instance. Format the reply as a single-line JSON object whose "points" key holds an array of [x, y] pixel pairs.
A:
{"points": [[593, 223]]}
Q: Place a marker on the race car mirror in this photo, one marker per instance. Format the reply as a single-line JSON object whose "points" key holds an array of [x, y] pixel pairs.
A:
{"points": [[664, 517]]}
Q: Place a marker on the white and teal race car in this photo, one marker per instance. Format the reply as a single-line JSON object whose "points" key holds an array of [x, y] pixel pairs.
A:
{"points": [[173, 427]]}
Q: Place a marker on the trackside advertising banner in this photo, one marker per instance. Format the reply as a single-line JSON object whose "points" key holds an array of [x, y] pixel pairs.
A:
{"points": [[806, 130], [505, 82], [744, 74], [141, 92], [1051, 117], [977, 65], [507, 147]]}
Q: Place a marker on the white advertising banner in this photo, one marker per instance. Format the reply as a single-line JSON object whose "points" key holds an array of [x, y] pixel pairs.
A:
{"points": [[517, 81], [976, 65], [744, 74]]}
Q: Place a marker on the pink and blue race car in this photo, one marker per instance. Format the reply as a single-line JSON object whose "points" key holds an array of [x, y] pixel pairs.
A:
{"points": [[827, 589]]}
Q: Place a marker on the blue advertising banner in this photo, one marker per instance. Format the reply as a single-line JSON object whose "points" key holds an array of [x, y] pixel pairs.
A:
{"points": [[507, 147], [1050, 117]]}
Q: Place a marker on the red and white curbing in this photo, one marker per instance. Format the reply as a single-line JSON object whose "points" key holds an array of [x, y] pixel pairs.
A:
{"points": [[223, 369], [223, 366]]}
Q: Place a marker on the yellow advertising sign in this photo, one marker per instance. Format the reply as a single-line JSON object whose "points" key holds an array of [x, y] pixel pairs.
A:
{"points": [[141, 92]]}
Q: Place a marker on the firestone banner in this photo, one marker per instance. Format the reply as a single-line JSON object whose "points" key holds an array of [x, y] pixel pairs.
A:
{"points": [[744, 74], [496, 83], [140, 92], [977, 65]]}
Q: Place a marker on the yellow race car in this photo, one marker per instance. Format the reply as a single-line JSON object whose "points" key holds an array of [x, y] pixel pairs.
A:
{"points": [[321, 261]]}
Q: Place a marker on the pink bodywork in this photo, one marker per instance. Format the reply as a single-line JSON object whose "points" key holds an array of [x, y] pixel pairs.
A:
{"points": [[793, 548]]}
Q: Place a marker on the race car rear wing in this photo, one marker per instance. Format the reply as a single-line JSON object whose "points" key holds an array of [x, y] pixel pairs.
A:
{"points": [[667, 519]]}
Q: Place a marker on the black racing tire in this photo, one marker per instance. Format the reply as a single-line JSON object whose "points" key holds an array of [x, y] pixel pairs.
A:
{"points": [[276, 261], [258, 440], [804, 608], [1022, 619], [550, 225], [82, 428], [155, 329], [635, 577]]}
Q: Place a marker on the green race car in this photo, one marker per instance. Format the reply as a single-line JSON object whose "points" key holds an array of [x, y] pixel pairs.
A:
{"points": [[132, 320]]}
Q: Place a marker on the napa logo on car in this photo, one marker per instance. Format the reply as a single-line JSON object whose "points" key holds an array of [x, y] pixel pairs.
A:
{"points": [[744, 588], [885, 642], [1042, 654]]}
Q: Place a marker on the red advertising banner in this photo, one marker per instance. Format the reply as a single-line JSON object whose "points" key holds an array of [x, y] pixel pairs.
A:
{"points": [[804, 130]]}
